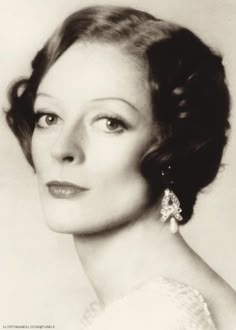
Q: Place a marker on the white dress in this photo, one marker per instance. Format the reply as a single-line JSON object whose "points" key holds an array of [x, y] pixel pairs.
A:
{"points": [[161, 304]]}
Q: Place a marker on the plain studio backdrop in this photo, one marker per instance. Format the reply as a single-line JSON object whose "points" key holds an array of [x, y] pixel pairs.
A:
{"points": [[41, 280]]}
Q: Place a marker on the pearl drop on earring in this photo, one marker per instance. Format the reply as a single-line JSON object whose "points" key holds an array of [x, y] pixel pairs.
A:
{"points": [[174, 227]]}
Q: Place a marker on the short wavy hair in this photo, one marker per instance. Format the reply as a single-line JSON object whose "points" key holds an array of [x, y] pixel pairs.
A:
{"points": [[190, 98]]}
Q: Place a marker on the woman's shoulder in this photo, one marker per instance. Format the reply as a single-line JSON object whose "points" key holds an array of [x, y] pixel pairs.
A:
{"points": [[222, 299], [182, 303], [161, 303], [220, 296]]}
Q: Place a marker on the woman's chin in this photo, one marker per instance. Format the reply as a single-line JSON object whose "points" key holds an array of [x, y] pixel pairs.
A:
{"points": [[62, 228], [61, 224], [65, 225], [68, 226]]}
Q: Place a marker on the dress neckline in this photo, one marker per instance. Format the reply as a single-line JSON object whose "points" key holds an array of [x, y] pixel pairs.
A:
{"points": [[95, 309]]}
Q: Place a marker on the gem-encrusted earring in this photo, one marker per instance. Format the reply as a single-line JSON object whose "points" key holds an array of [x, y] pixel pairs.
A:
{"points": [[170, 205]]}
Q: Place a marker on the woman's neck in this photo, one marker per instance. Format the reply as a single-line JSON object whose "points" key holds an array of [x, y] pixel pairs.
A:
{"points": [[117, 261]]}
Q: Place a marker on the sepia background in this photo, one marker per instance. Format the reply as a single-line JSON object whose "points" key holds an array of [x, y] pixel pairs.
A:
{"points": [[41, 280]]}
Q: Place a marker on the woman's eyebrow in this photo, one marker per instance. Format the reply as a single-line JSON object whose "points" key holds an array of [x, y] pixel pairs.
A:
{"points": [[47, 96], [44, 95], [116, 99], [119, 99]]}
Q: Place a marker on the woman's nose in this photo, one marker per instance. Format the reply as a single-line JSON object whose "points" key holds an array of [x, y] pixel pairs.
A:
{"points": [[67, 148]]}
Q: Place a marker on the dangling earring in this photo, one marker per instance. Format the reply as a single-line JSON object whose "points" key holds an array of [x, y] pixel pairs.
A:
{"points": [[170, 208]]}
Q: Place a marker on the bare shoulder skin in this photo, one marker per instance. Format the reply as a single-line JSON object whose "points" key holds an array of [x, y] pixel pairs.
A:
{"points": [[219, 295], [222, 298]]}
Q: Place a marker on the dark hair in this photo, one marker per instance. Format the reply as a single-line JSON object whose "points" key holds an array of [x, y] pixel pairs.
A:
{"points": [[189, 95]]}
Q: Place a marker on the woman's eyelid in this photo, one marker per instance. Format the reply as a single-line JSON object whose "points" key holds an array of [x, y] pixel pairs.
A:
{"points": [[122, 124], [98, 115], [42, 102], [42, 116], [46, 110], [45, 105], [40, 112]]}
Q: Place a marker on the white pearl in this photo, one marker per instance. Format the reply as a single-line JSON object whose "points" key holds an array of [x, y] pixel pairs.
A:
{"points": [[173, 226]]}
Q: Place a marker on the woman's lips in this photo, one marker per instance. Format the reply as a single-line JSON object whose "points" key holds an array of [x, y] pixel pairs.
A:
{"points": [[62, 189]]}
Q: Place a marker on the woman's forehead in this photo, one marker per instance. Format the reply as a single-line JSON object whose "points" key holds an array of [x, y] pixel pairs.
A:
{"points": [[97, 70]]}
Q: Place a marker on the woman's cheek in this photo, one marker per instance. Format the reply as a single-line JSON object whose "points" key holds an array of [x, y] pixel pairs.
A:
{"points": [[118, 168], [40, 146], [122, 151]]}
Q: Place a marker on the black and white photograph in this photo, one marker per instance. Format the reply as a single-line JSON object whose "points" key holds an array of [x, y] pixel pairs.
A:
{"points": [[117, 164]]}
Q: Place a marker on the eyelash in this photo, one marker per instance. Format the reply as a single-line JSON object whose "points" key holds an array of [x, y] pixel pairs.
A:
{"points": [[115, 119], [120, 122], [40, 114]]}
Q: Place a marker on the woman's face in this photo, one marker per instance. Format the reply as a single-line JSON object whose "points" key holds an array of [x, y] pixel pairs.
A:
{"points": [[93, 124]]}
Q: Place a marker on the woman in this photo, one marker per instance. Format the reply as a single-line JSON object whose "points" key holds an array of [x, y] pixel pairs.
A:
{"points": [[124, 120]]}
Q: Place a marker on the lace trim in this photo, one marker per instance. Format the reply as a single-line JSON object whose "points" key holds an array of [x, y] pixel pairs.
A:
{"points": [[167, 283], [90, 314], [94, 309]]}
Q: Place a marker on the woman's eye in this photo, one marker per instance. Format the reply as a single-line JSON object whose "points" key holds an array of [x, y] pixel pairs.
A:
{"points": [[110, 125], [44, 120]]}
